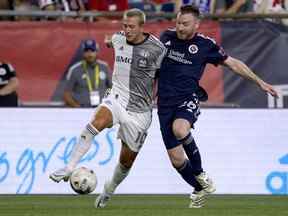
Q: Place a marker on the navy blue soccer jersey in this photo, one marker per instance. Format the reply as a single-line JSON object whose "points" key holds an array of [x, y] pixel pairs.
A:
{"points": [[184, 64]]}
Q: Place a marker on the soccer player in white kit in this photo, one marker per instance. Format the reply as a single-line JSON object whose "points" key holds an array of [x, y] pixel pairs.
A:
{"points": [[137, 57]]}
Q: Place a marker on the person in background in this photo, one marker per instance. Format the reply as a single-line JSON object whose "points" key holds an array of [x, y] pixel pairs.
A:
{"points": [[65, 5], [272, 6], [231, 6], [8, 86], [205, 6], [108, 5], [88, 79], [47, 5], [6, 5], [25, 6]]}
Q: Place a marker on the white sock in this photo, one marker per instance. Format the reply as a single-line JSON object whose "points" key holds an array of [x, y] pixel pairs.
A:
{"points": [[82, 146], [119, 175]]}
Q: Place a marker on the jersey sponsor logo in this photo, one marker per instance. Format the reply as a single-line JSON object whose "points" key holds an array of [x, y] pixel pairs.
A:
{"points": [[144, 53], [122, 59], [179, 57], [193, 49], [121, 48], [142, 62], [2, 71]]}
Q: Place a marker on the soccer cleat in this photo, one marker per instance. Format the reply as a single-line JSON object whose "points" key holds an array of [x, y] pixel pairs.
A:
{"points": [[197, 199], [206, 182], [102, 200], [61, 174]]}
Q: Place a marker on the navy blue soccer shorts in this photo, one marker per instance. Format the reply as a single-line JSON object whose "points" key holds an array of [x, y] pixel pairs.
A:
{"points": [[189, 109]]}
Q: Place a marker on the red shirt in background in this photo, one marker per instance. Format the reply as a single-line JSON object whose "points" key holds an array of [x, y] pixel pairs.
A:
{"points": [[161, 1], [108, 5]]}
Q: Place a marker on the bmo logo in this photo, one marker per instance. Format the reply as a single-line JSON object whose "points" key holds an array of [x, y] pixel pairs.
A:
{"points": [[277, 181]]}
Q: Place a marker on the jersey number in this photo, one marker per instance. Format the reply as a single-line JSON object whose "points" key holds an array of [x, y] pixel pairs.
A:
{"points": [[141, 137]]}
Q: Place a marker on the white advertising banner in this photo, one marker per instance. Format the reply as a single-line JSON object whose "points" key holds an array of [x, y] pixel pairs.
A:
{"points": [[244, 150]]}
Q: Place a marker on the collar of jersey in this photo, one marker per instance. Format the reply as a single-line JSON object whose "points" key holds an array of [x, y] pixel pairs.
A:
{"points": [[136, 44]]}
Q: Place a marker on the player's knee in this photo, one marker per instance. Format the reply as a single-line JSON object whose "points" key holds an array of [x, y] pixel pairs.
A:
{"points": [[179, 133], [103, 119], [180, 129], [100, 124]]}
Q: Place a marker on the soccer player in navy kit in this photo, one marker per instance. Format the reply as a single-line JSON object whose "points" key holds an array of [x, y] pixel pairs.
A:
{"points": [[179, 93]]}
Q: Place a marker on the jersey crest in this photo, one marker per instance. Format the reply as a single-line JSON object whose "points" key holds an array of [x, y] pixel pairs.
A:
{"points": [[193, 49]]}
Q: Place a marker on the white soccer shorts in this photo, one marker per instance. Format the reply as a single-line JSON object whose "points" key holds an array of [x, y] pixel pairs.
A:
{"points": [[133, 126]]}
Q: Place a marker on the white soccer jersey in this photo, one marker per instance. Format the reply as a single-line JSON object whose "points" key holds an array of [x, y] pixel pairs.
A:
{"points": [[134, 71]]}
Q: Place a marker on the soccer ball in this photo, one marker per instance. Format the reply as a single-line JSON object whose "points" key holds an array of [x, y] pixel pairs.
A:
{"points": [[83, 180]]}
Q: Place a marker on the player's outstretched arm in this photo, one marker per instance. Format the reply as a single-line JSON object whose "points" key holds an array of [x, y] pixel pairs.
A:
{"points": [[242, 69]]}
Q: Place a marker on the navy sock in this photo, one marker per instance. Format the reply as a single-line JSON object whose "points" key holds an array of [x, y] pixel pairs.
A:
{"points": [[193, 153], [186, 172]]}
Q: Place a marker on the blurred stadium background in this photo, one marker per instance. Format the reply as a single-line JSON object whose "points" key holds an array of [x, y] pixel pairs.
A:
{"points": [[242, 132]]}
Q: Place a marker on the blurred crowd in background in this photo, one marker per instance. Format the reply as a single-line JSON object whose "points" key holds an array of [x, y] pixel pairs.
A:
{"points": [[206, 6]]}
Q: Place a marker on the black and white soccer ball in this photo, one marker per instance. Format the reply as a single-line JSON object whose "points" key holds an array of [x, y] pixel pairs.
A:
{"points": [[83, 180]]}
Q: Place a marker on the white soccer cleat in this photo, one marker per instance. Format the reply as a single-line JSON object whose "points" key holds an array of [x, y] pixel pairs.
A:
{"points": [[206, 182], [197, 199], [103, 198], [61, 174]]}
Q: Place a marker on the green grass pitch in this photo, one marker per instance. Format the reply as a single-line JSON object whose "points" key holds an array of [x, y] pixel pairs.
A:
{"points": [[142, 205]]}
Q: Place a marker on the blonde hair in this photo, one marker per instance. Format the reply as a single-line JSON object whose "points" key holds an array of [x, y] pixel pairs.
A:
{"points": [[135, 12]]}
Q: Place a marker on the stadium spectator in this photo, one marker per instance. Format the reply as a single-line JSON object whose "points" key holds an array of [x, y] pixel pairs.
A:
{"points": [[203, 5], [161, 1], [72, 5], [65, 5], [48, 5], [272, 6], [25, 5], [144, 5], [87, 80], [8, 86], [166, 5], [6, 5], [231, 6], [108, 5]]}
